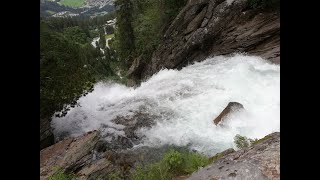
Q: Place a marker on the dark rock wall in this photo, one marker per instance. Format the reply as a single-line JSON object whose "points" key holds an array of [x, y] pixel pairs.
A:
{"points": [[206, 28]]}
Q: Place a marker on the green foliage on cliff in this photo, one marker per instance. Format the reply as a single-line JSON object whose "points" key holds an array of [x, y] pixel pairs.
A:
{"points": [[241, 141], [69, 66], [124, 43], [174, 163], [244, 142], [140, 31]]}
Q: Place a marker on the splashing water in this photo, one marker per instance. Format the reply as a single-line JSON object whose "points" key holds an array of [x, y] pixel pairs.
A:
{"points": [[186, 102]]}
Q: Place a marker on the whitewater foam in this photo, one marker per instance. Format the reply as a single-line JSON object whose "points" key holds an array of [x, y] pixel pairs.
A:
{"points": [[186, 102]]}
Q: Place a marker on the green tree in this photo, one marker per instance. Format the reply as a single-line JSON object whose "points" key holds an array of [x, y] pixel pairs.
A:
{"points": [[124, 34], [102, 40], [69, 66]]}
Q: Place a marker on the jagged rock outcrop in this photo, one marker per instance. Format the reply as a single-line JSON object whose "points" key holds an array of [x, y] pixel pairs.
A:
{"points": [[206, 28], [91, 156], [260, 161], [69, 154], [231, 107], [81, 156]]}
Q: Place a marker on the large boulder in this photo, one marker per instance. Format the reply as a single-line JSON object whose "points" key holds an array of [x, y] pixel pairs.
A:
{"points": [[96, 154], [205, 28], [69, 154], [260, 161], [231, 107]]}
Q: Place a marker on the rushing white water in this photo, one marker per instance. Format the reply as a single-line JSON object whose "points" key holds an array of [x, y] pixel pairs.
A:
{"points": [[187, 102], [94, 41]]}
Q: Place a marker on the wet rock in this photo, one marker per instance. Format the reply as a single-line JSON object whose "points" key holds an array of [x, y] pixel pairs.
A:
{"points": [[261, 161], [69, 154], [131, 83], [196, 22], [134, 123], [135, 71], [231, 107]]}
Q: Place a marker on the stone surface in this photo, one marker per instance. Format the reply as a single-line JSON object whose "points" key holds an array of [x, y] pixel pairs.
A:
{"points": [[231, 107], [205, 28], [260, 161], [95, 169], [131, 83], [68, 154]]}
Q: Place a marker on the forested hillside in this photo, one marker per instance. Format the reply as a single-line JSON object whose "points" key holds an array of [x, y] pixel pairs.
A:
{"points": [[69, 64], [141, 25]]}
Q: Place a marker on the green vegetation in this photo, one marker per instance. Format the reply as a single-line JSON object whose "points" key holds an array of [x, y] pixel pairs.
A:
{"points": [[73, 3], [84, 23], [124, 34], [141, 26], [241, 141], [256, 141], [244, 142], [215, 157], [102, 40], [109, 36], [263, 3], [60, 175], [109, 29], [69, 66], [116, 175], [173, 164], [77, 35]]}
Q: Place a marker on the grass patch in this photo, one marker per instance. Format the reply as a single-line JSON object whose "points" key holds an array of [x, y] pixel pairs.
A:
{"points": [[174, 163], [109, 36], [215, 157], [60, 175], [256, 141], [116, 175], [72, 3]]}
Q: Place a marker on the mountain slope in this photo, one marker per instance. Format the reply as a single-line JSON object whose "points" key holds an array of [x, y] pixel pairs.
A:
{"points": [[214, 27]]}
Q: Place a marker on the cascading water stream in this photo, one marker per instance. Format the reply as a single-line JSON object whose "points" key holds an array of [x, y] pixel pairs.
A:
{"points": [[185, 103]]}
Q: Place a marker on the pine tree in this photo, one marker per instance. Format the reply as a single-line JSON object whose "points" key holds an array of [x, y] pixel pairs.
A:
{"points": [[102, 40], [124, 34]]}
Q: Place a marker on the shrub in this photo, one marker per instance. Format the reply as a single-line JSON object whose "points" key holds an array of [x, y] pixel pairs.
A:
{"points": [[174, 163], [241, 141]]}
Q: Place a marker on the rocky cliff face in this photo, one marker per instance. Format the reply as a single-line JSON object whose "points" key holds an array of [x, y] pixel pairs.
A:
{"points": [[83, 157], [261, 161], [214, 27]]}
